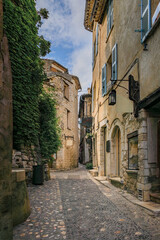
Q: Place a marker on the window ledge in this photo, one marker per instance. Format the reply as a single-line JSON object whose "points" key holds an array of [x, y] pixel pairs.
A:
{"points": [[66, 98], [152, 30], [132, 171], [109, 33]]}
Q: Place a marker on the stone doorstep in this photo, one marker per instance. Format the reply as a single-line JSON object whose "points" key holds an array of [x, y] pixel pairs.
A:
{"points": [[101, 178], [155, 197], [154, 208], [94, 172]]}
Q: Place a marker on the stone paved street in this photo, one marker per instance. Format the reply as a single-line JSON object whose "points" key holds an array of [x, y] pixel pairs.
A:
{"points": [[74, 206]]}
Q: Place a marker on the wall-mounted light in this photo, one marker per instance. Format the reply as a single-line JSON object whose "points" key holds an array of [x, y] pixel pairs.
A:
{"points": [[112, 97]]}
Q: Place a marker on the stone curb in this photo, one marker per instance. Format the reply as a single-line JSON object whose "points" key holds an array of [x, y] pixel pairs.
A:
{"points": [[151, 207]]}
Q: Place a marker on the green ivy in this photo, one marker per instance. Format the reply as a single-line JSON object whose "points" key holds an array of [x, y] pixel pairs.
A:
{"points": [[20, 24], [49, 130]]}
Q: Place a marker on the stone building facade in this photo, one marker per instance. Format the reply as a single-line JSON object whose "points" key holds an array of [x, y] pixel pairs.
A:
{"points": [[85, 116], [126, 92], [5, 136], [66, 88]]}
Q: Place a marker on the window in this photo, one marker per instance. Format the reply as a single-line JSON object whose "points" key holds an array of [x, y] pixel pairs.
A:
{"points": [[92, 99], [145, 18], [68, 119], [95, 95], [97, 28], [109, 16], [93, 54], [133, 151], [114, 62], [104, 80], [66, 91]]}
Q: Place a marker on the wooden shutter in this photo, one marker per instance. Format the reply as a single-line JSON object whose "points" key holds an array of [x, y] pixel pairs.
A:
{"points": [[145, 18], [104, 82], [108, 20], [114, 62], [92, 98]]}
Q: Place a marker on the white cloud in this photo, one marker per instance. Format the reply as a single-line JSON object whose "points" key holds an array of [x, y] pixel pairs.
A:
{"points": [[65, 28]]}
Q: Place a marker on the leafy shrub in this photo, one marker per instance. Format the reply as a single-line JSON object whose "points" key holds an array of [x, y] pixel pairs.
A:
{"points": [[89, 165]]}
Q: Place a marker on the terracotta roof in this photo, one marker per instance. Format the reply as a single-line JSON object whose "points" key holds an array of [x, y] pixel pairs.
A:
{"points": [[93, 12]]}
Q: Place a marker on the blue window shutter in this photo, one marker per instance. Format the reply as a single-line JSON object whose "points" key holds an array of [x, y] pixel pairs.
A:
{"points": [[92, 99], [145, 18], [93, 57], [111, 13], [104, 80], [114, 62], [97, 28], [108, 20]]}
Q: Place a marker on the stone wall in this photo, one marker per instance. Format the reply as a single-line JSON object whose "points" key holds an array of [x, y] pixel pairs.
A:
{"points": [[67, 112], [24, 159], [5, 136], [20, 200]]}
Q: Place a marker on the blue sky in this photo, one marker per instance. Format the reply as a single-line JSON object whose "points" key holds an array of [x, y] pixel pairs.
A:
{"points": [[71, 43]]}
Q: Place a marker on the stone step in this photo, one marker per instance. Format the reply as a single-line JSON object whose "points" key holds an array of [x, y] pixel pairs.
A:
{"points": [[155, 187], [155, 197], [94, 172], [116, 181]]}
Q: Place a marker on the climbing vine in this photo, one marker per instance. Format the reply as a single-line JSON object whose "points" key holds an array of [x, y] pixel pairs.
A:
{"points": [[49, 130], [21, 21]]}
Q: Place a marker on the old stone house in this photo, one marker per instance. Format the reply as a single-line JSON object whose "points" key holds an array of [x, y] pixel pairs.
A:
{"points": [[66, 88], [126, 92], [85, 116]]}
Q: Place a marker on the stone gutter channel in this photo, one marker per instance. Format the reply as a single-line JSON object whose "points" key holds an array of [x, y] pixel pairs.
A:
{"points": [[150, 207]]}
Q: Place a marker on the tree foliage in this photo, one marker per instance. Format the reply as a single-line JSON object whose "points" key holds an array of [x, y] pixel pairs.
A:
{"points": [[25, 46], [49, 130]]}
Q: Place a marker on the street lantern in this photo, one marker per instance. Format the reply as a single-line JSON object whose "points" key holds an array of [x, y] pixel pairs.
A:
{"points": [[112, 97]]}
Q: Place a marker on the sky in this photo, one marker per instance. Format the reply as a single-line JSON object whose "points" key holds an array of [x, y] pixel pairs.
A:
{"points": [[70, 42]]}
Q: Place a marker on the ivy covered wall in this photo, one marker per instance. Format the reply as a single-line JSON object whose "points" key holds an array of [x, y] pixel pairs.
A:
{"points": [[20, 24]]}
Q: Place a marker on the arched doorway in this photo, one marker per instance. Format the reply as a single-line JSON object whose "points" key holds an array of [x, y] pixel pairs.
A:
{"points": [[116, 152]]}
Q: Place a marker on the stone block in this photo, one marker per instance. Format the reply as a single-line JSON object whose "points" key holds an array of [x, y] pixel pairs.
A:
{"points": [[142, 154], [18, 153], [146, 172], [24, 157], [142, 137], [20, 175], [144, 180], [146, 196], [145, 187], [145, 164], [142, 130], [142, 145]]}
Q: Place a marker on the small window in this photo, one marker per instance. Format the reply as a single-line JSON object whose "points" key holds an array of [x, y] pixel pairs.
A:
{"points": [[133, 151], [68, 119], [114, 62], [66, 91], [104, 80], [145, 18], [109, 16]]}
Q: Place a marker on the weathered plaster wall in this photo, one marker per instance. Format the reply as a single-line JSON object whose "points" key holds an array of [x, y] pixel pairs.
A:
{"points": [[5, 136], [143, 65]]}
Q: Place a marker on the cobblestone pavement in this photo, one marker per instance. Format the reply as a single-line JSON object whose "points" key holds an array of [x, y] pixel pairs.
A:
{"points": [[74, 206]]}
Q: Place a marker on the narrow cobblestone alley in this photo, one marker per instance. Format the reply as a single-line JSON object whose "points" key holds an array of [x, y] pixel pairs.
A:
{"points": [[74, 206]]}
